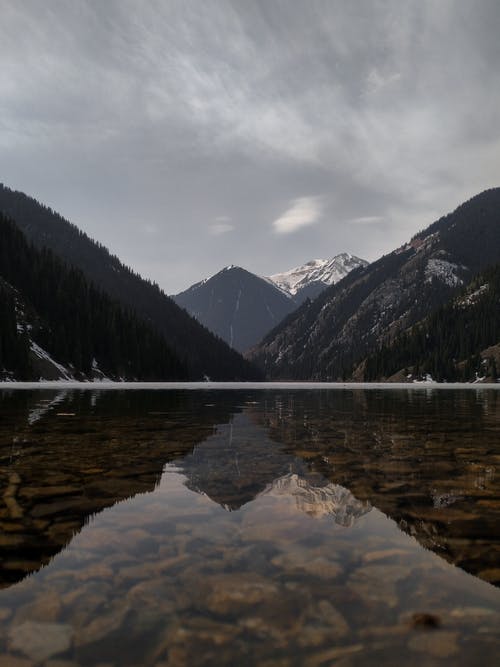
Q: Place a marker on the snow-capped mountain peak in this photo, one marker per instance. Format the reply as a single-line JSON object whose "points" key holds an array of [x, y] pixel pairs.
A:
{"points": [[318, 272]]}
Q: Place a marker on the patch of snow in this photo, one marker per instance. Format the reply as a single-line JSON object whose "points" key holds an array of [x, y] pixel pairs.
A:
{"points": [[444, 271], [427, 380], [42, 354], [472, 298], [99, 375], [270, 312], [238, 301]]}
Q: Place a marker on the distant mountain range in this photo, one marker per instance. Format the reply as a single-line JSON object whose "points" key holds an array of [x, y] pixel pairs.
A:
{"points": [[197, 350], [376, 306], [242, 307]]}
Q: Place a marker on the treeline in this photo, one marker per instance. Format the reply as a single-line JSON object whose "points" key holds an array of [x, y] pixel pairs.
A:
{"points": [[14, 346], [75, 322], [448, 343]]}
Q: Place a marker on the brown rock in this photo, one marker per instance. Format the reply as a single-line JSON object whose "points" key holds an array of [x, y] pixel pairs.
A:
{"points": [[40, 641], [44, 608], [441, 644], [323, 623], [377, 583], [318, 567], [100, 627], [13, 661], [383, 554], [232, 593], [4, 613], [93, 572], [328, 656]]}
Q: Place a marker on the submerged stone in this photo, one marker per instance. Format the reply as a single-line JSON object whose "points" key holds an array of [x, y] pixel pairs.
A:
{"points": [[40, 641]]}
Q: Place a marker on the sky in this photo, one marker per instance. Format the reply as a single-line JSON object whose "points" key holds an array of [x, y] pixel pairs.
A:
{"points": [[190, 135]]}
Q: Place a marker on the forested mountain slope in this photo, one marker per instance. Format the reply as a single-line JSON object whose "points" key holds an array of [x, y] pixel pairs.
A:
{"points": [[203, 353], [326, 339], [48, 311], [458, 342]]}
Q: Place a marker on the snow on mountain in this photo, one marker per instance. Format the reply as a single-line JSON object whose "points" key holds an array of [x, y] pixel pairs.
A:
{"points": [[312, 277]]}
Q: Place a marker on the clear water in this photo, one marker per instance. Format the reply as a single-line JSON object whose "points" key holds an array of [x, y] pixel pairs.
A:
{"points": [[244, 527]]}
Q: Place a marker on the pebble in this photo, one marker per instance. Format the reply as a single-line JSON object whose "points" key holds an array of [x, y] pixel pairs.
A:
{"points": [[440, 644], [14, 661], [40, 641]]}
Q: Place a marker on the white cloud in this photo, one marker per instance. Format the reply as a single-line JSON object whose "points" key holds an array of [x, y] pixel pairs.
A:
{"points": [[367, 220], [220, 228], [302, 212]]}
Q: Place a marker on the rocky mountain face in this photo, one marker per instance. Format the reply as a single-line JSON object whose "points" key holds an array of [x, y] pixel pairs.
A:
{"points": [[328, 338], [237, 305], [310, 279], [197, 348]]}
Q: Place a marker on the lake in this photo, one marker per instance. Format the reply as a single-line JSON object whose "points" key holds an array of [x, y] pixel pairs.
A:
{"points": [[274, 526]]}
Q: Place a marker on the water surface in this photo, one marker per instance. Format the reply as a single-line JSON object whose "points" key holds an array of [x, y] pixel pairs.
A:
{"points": [[277, 527]]}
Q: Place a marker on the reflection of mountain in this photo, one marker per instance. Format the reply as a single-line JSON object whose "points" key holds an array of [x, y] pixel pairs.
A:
{"points": [[428, 461], [240, 462], [235, 464], [320, 499], [65, 457]]}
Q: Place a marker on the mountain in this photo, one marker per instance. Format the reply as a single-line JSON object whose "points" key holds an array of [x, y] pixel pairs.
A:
{"points": [[326, 339], [237, 305], [55, 325], [458, 342], [203, 353], [310, 279]]}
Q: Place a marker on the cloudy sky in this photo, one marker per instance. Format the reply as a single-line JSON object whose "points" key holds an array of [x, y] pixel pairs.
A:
{"points": [[188, 135]]}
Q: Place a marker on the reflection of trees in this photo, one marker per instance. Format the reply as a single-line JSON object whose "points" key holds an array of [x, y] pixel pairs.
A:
{"points": [[65, 456]]}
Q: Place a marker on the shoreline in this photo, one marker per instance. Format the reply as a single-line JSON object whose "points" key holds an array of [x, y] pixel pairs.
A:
{"points": [[204, 386]]}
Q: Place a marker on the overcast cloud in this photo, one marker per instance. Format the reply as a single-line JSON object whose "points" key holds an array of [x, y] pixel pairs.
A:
{"points": [[186, 136]]}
